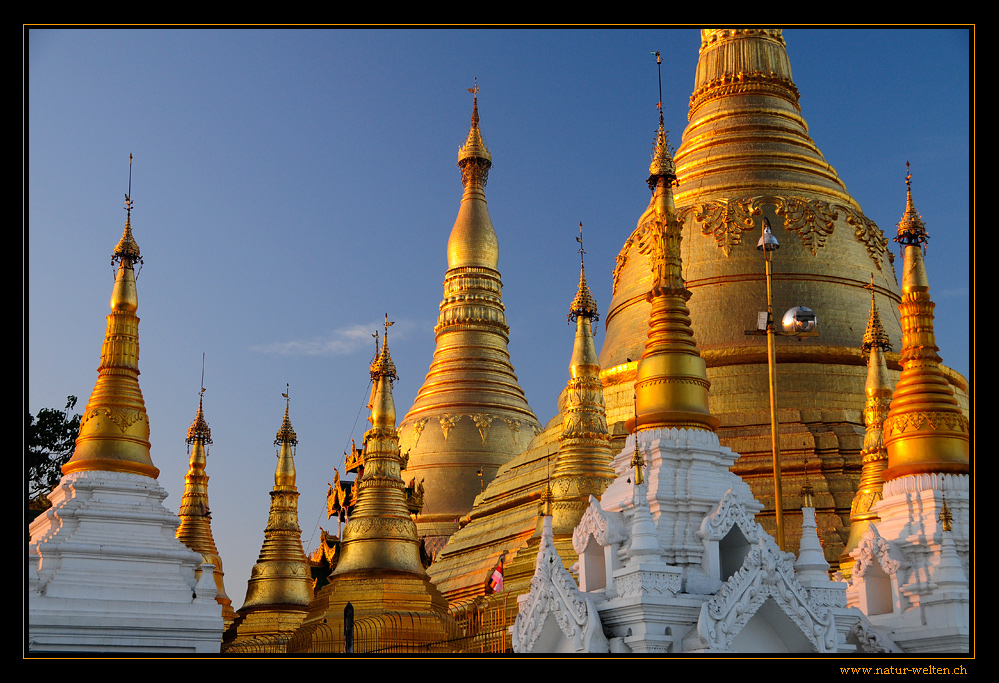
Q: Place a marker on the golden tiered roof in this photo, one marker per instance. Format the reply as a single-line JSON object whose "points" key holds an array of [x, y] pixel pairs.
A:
{"points": [[280, 585], [114, 428], [925, 431], [380, 571], [470, 416], [195, 530]]}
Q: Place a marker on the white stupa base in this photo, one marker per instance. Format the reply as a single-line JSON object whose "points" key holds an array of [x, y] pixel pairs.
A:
{"points": [[106, 572]]}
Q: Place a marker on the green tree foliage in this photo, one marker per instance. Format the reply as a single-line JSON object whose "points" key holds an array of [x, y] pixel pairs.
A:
{"points": [[50, 439]]}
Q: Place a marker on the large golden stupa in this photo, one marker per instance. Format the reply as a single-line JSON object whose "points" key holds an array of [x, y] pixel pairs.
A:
{"points": [[746, 155]]}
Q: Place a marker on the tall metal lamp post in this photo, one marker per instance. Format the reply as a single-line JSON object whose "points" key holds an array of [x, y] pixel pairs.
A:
{"points": [[768, 244], [797, 322]]}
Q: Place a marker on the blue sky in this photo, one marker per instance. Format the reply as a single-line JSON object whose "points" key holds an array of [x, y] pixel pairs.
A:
{"points": [[291, 187]]}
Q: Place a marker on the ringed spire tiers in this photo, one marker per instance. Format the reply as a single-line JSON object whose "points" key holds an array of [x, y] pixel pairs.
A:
{"points": [[114, 429], [471, 415]]}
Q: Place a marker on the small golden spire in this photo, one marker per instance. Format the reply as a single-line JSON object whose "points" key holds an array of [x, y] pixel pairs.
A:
{"points": [[806, 493], [911, 229], [286, 433], [875, 334], [195, 530], [874, 456]]}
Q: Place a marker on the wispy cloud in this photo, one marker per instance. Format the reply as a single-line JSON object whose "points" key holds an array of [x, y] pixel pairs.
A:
{"points": [[340, 342]]}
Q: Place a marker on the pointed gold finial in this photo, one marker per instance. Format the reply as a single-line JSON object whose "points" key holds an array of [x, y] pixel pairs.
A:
{"points": [[662, 165], [286, 434], [875, 334], [911, 229], [474, 158], [383, 366], [946, 518]]}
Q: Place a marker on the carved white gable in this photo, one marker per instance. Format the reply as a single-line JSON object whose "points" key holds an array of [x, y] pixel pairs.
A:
{"points": [[555, 616]]}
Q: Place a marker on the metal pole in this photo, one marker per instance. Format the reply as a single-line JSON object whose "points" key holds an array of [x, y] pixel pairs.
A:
{"points": [[774, 426]]}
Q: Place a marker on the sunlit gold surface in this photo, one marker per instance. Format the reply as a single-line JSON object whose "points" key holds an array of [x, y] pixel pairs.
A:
{"points": [[195, 530], [874, 454], [746, 154], [380, 571], [925, 430], [280, 585], [470, 416], [114, 429]]}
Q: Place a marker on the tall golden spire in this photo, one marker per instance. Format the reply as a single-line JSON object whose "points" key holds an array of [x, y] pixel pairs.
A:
{"points": [[380, 569], [470, 415], [280, 585], [874, 455], [195, 530], [671, 385], [925, 430], [114, 430]]}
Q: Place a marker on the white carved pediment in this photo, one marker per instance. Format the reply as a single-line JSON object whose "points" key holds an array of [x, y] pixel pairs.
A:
{"points": [[554, 598], [874, 550], [766, 574], [602, 526], [730, 512]]}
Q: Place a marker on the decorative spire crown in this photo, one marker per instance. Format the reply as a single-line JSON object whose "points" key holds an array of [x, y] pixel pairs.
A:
{"points": [[662, 165], [286, 434], [127, 247], [911, 229], [474, 158], [583, 305], [199, 431], [382, 365], [875, 334]]}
